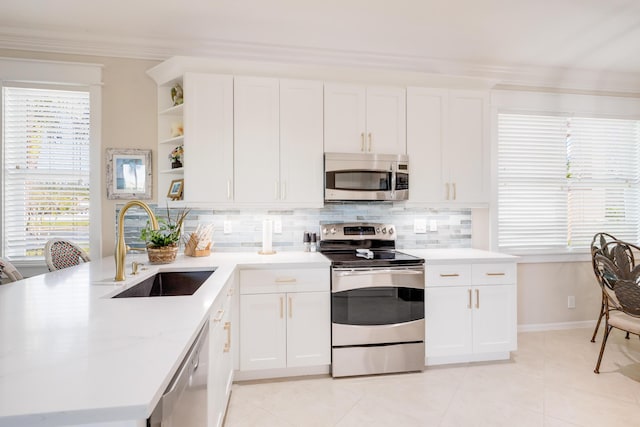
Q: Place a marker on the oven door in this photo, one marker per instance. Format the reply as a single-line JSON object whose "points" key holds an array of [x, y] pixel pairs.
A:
{"points": [[377, 305]]}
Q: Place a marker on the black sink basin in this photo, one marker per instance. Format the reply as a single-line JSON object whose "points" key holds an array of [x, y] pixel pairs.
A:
{"points": [[168, 284]]}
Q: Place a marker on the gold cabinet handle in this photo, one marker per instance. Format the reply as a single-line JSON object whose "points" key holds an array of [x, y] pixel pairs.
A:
{"points": [[285, 279], [290, 307], [282, 307], [495, 274], [219, 314], [450, 275], [227, 345], [470, 303], [477, 298], [447, 187], [362, 141], [454, 190], [370, 139], [230, 292]]}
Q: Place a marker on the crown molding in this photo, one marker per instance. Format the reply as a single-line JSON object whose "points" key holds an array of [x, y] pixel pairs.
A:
{"points": [[568, 79]]}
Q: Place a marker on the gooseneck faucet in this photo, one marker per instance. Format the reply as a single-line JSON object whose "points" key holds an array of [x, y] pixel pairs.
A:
{"points": [[121, 248]]}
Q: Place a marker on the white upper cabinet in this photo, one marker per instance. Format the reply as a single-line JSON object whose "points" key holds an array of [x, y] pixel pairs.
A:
{"points": [[301, 143], [448, 146], [257, 136], [364, 119], [208, 141], [278, 142]]}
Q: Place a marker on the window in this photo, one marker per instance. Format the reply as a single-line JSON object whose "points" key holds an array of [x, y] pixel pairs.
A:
{"points": [[562, 178], [46, 155]]}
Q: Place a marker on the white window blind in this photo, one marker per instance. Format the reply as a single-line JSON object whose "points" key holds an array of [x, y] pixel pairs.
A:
{"points": [[46, 169], [563, 179], [603, 174]]}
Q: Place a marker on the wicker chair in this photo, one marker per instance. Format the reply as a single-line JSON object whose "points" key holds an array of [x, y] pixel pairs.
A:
{"points": [[598, 242], [60, 253], [620, 283], [9, 272]]}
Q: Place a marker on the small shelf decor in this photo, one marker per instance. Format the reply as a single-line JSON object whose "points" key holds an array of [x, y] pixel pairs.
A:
{"points": [[175, 189], [177, 96], [176, 156]]}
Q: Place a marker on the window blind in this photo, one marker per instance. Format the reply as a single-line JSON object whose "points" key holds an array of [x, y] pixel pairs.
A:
{"points": [[532, 193], [603, 161], [562, 179], [46, 169]]}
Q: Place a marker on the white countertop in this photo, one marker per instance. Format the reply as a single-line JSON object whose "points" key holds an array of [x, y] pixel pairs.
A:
{"points": [[439, 256], [70, 354]]}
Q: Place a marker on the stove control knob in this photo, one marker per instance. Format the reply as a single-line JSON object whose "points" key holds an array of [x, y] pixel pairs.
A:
{"points": [[333, 230], [384, 230], [378, 230], [390, 230], [324, 230]]}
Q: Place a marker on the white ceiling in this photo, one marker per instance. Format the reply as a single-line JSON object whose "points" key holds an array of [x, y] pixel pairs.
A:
{"points": [[592, 35]]}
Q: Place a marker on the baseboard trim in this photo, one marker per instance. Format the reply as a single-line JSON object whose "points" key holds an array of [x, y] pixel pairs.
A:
{"points": [[535, 327]]}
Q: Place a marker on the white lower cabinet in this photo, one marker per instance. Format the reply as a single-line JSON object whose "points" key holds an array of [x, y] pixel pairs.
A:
{"points": [[285, 318], [470, 312], [221, 357]]}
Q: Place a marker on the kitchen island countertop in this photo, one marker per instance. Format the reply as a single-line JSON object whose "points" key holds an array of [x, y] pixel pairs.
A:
{"points": [[69, 354]]}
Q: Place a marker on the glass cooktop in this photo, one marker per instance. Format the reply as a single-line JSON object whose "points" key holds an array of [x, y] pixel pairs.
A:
{"points": [[380, 258]]}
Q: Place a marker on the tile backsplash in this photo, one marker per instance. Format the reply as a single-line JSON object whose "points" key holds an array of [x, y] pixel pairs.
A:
{"points": [[453, 226]]}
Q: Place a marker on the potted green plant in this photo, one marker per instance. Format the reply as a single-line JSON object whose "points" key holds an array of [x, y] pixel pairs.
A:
{"points": [[162, 244]]}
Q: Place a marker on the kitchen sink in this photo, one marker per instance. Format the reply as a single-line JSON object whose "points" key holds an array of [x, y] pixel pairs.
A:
{"points": [[168, 284]]}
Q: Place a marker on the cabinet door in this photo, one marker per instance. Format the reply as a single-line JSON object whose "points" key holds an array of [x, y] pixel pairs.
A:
{"points": [[386, 120], [208, 142], [216, 368], [448, 321], [308, 329], [263, 331], [256, 150], [494, 318], [467, 151], [344, 118], [301, 142], [426, 126]]}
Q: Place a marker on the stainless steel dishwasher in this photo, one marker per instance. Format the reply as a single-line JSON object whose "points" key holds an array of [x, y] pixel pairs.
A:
{"points": [[184, 403]]}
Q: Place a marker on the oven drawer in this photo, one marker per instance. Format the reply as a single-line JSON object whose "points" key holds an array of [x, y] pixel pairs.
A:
{"points": [[494, 274], [266, 281], [448, 274]]}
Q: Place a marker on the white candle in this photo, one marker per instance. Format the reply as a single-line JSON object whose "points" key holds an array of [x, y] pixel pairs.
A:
{"points": [[267, 230]]}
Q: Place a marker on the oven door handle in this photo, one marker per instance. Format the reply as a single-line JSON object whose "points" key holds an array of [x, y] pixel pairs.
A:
{"points": [[351, 272]]}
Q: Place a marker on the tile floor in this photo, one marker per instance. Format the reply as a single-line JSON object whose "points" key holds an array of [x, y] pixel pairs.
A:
{"points": [[549, 382]]}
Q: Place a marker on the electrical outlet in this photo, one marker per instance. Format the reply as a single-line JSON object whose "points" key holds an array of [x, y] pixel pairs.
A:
{"points": [[571, 302], [277, 226], [433, 225], [227, 227], [419, 226]]}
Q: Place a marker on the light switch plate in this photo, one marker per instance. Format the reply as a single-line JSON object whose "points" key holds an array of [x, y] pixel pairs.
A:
{"points": [[277, 226], [419, 225], [227, 227], [433, 225]]}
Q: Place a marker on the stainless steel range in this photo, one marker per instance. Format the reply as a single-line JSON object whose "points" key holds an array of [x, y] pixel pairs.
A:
{"points": [[377, 300]]}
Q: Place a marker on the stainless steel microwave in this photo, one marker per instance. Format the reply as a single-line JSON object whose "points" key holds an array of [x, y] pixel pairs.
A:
{"points": [[366, 177]]}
